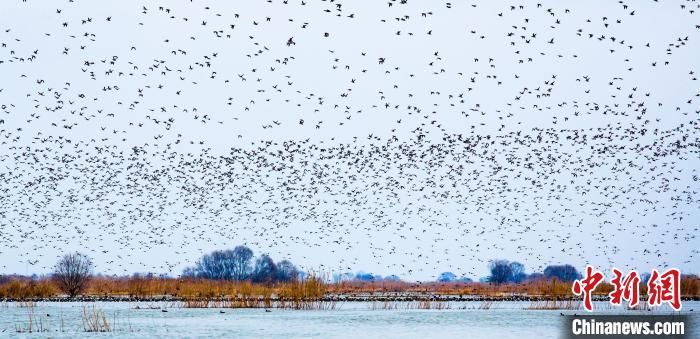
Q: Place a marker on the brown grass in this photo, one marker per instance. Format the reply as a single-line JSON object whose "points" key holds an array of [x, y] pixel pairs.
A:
{"points": [[531, 288], [306, 294], [32, 323], [690, 287], [295, 295], [94, 320], [23, 289]]}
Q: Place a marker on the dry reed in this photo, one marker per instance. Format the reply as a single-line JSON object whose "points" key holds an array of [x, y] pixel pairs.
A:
{"points": [[94, 320], [296, 294]]}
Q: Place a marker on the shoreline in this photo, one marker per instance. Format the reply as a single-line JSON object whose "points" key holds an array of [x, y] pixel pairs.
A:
{"points": [[329, 298]]}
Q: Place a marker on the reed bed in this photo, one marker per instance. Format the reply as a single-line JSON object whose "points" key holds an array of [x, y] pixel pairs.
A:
{"points": [[33, 323], [23, 289], [307, 294], [295, 294], [539, 287], [145, 288], [94, 320]]}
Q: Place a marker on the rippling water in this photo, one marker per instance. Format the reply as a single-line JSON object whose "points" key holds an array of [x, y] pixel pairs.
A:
{"points": [[349, 320]]}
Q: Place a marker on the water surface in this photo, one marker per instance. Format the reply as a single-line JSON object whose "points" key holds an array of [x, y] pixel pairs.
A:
{"points": [[349, 320]]}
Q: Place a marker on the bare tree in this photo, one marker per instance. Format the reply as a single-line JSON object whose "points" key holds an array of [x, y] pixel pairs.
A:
{"points": [[242, 257], [265, 271], [562, 272], [501, 271], [517, 272], [72, 273], [223, 265], [286, 271]]}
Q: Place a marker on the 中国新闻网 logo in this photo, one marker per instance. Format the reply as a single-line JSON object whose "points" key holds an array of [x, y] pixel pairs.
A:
{"points": [[661, 287]]}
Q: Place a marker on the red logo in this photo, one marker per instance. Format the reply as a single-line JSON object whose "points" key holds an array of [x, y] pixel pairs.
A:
{"points": [[586, 286], [662, 288], [665, 288]]}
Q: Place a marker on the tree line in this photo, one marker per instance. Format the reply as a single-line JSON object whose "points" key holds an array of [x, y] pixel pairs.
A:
{"points": [[73, 271], [238, 265], [504, 271]]}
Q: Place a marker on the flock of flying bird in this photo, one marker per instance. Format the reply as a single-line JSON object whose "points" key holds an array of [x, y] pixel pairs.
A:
{"points": [[400, 136]]}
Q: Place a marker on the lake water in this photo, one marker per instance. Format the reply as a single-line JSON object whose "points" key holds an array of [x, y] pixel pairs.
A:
{"points": [[349, 320]]}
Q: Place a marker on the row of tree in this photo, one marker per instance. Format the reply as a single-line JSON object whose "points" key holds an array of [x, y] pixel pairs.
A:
{"points": [[504, 271], [73, 271], [501, 272], [237, 265]]}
